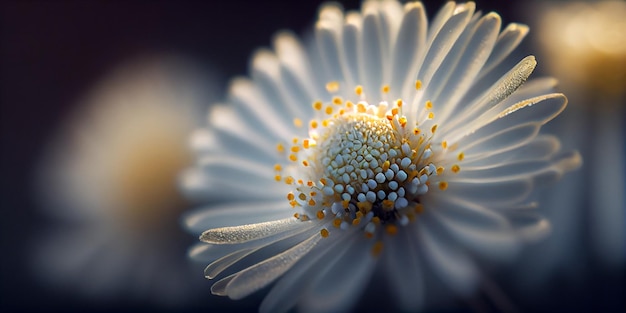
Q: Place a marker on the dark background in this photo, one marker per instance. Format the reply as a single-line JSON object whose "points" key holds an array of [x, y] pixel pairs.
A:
{"points": [[52, 51]]}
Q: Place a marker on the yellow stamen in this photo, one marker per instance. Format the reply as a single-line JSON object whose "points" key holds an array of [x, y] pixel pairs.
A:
{"points": [[297, 122], [443, 185], [358, 90], [324, 232], [418, 84], [455, 168], [332, 86]]}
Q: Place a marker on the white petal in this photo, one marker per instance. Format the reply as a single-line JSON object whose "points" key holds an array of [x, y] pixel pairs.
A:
{"points": [[499, 91], [372, 57], [508, 40], [244, 233], [404, 271], [489, 193], [258, 276], [409, 48], [460, 76], [497, 241], [449, 262], [337, 288], [233, 214], [484, 142], [540, 148], [289, 289]]}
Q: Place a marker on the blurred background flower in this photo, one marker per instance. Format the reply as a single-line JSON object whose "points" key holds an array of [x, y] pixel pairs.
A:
{"points": [[110, 178], [583, 45]]}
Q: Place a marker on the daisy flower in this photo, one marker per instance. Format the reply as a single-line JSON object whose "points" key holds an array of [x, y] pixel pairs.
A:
{"points": [[386, 144], [109, 181]]}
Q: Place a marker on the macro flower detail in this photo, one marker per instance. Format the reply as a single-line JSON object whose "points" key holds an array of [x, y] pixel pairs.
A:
{"points": [[385, 144]]}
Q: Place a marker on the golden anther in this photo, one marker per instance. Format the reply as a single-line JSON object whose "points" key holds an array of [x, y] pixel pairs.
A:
{"points": [[391, 229], [297, 122], [277, 178], [320, 214], [418, 84], [280, 147], [337, 100], [332, 86], [358, 90], [377, 248], [317, 105], [293, 157], [461, 156], [324, 232], [385, 89], [443, 185], [455, 168]]}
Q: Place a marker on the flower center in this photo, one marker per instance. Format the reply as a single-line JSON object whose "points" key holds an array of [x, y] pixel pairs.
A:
{"points": [[365, 165]]}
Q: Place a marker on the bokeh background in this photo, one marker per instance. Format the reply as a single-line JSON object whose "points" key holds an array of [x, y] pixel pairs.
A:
{"points": [[54, 53]]}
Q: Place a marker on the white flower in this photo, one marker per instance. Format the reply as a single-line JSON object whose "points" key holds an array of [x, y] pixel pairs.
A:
{"points": [[109, 179], [389, 144]]}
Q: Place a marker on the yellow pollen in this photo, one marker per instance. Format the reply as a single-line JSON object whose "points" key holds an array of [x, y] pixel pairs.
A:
{"points": [[320, 214], [439, 170], [377, 248], [418, 84], [293, 203], [385, 89], [277, 167], [429, 105], [313, 124], [313, 193], [386, 165], [305, 143], [358, 90], [289, 180], [300, 182], [402, 121], [325, 123], [296, 215], [294, 140], [323, 181], [349, 104], [455, 168], [329, 110], [399, 103], [311, 202], [293, 157], [280, 147], [332, 86], [387, 204], [443, 185], [302, 196], [431, 115], [305, 163], [297, 122], [356, 221], [359, 214], [376, 220], [295, 149], [277, 178], [461, 156], [342, 111], [444, 144], [391, 229], [290, 196], [345, 203], [361, 108], [317, 105], [337, 100], [305, 217], [324, 232], [434, 128], [416, 131], [337, 222]]}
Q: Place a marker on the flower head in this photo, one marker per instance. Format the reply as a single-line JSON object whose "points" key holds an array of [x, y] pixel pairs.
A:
{"points": [[388, 143]]}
